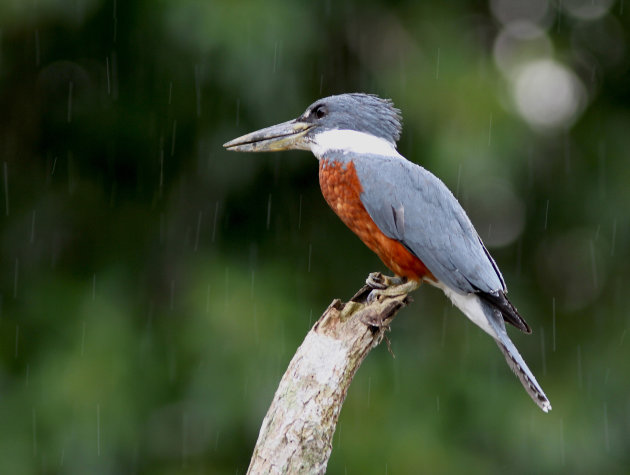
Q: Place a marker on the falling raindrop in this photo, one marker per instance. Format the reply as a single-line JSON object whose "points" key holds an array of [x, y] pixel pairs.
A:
{"points": [[98, 430], [71, 182], [16, 273], [459, 177], [184, 439], [553, 321], [519, 256], [172, 299], [34, 421], [593, 263], [37, 48], [161, 179], [437, 65], [6, 189], [444, 320], [32, 236], [150, 313], [198, 88], [606, 436], [227, 287], [300, 213], [253, 281], [208, 299], [82, 337], [339, 437], [173, 138], [114, 75], [275, 57], [542, 348], [490, 131], [214, 221], [172, 367], [199, 218], [52, 171], [109, 85], [567, 154], [546, 214], [162, 228], [268, 211], [562, 441], [70, 89], [602, 168], [579, 366], [310, 252], [466, 341], [54, 254], [255, 325]]}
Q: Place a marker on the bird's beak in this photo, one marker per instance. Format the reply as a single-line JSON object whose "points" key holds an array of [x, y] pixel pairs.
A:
{"points": [[286, 136]]}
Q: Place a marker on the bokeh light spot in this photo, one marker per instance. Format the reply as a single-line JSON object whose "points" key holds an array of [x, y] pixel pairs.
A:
{"points": [[548, 95]]}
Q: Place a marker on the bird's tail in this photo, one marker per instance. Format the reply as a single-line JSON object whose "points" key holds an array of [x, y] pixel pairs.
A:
{"points": [[514, 359]]}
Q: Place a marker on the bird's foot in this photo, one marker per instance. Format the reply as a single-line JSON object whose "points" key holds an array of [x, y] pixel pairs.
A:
{"points": [[376, 280], [384, 286]]}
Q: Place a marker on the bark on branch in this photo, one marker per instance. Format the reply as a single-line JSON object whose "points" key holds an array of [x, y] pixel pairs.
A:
{"points": [[296, 434]]}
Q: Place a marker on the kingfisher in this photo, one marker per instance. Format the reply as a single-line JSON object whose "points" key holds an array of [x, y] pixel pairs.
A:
{"points": [[401, 211]]}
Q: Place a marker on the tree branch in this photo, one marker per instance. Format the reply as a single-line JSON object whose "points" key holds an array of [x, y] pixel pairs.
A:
{"points": [[296, 434]]}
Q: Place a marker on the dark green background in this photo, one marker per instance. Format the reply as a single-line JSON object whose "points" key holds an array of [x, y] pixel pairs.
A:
{"points": [[154, 287]]}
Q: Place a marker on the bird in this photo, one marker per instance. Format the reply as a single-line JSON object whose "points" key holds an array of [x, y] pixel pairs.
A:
{"points": [[405, 214]]}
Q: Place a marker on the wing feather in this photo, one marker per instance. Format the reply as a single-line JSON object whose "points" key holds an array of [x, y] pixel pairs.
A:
{"points": [[411, 205]]}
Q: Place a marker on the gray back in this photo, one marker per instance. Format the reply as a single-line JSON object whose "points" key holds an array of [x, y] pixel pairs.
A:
{"points": [[413, 206]]}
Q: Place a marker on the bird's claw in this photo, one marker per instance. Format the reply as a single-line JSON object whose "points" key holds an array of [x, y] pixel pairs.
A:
{"points": [[376, 280], [384, 286]]}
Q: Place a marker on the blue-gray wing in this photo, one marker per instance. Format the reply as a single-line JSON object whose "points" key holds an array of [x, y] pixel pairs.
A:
{"points": [[413, 206]]}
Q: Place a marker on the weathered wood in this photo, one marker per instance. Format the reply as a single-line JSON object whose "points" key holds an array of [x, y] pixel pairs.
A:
{"points": [[296, 434]]}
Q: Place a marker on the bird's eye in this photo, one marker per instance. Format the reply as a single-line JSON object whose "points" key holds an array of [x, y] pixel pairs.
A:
{"points": [[320, 111]]}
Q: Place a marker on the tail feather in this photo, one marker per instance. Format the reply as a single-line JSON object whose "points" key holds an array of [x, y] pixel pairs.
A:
{"points": [[514, 359], [489, 313], [509, 313]]}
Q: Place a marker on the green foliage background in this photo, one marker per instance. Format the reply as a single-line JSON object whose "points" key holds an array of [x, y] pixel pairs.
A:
{"points": [[154, 287]]}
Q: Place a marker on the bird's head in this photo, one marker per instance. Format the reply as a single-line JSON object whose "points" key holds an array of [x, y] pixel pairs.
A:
{"points": [[347, 122]]}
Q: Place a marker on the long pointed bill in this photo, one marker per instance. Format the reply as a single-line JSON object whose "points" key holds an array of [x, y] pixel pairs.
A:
{"points": [[286, 136]]}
